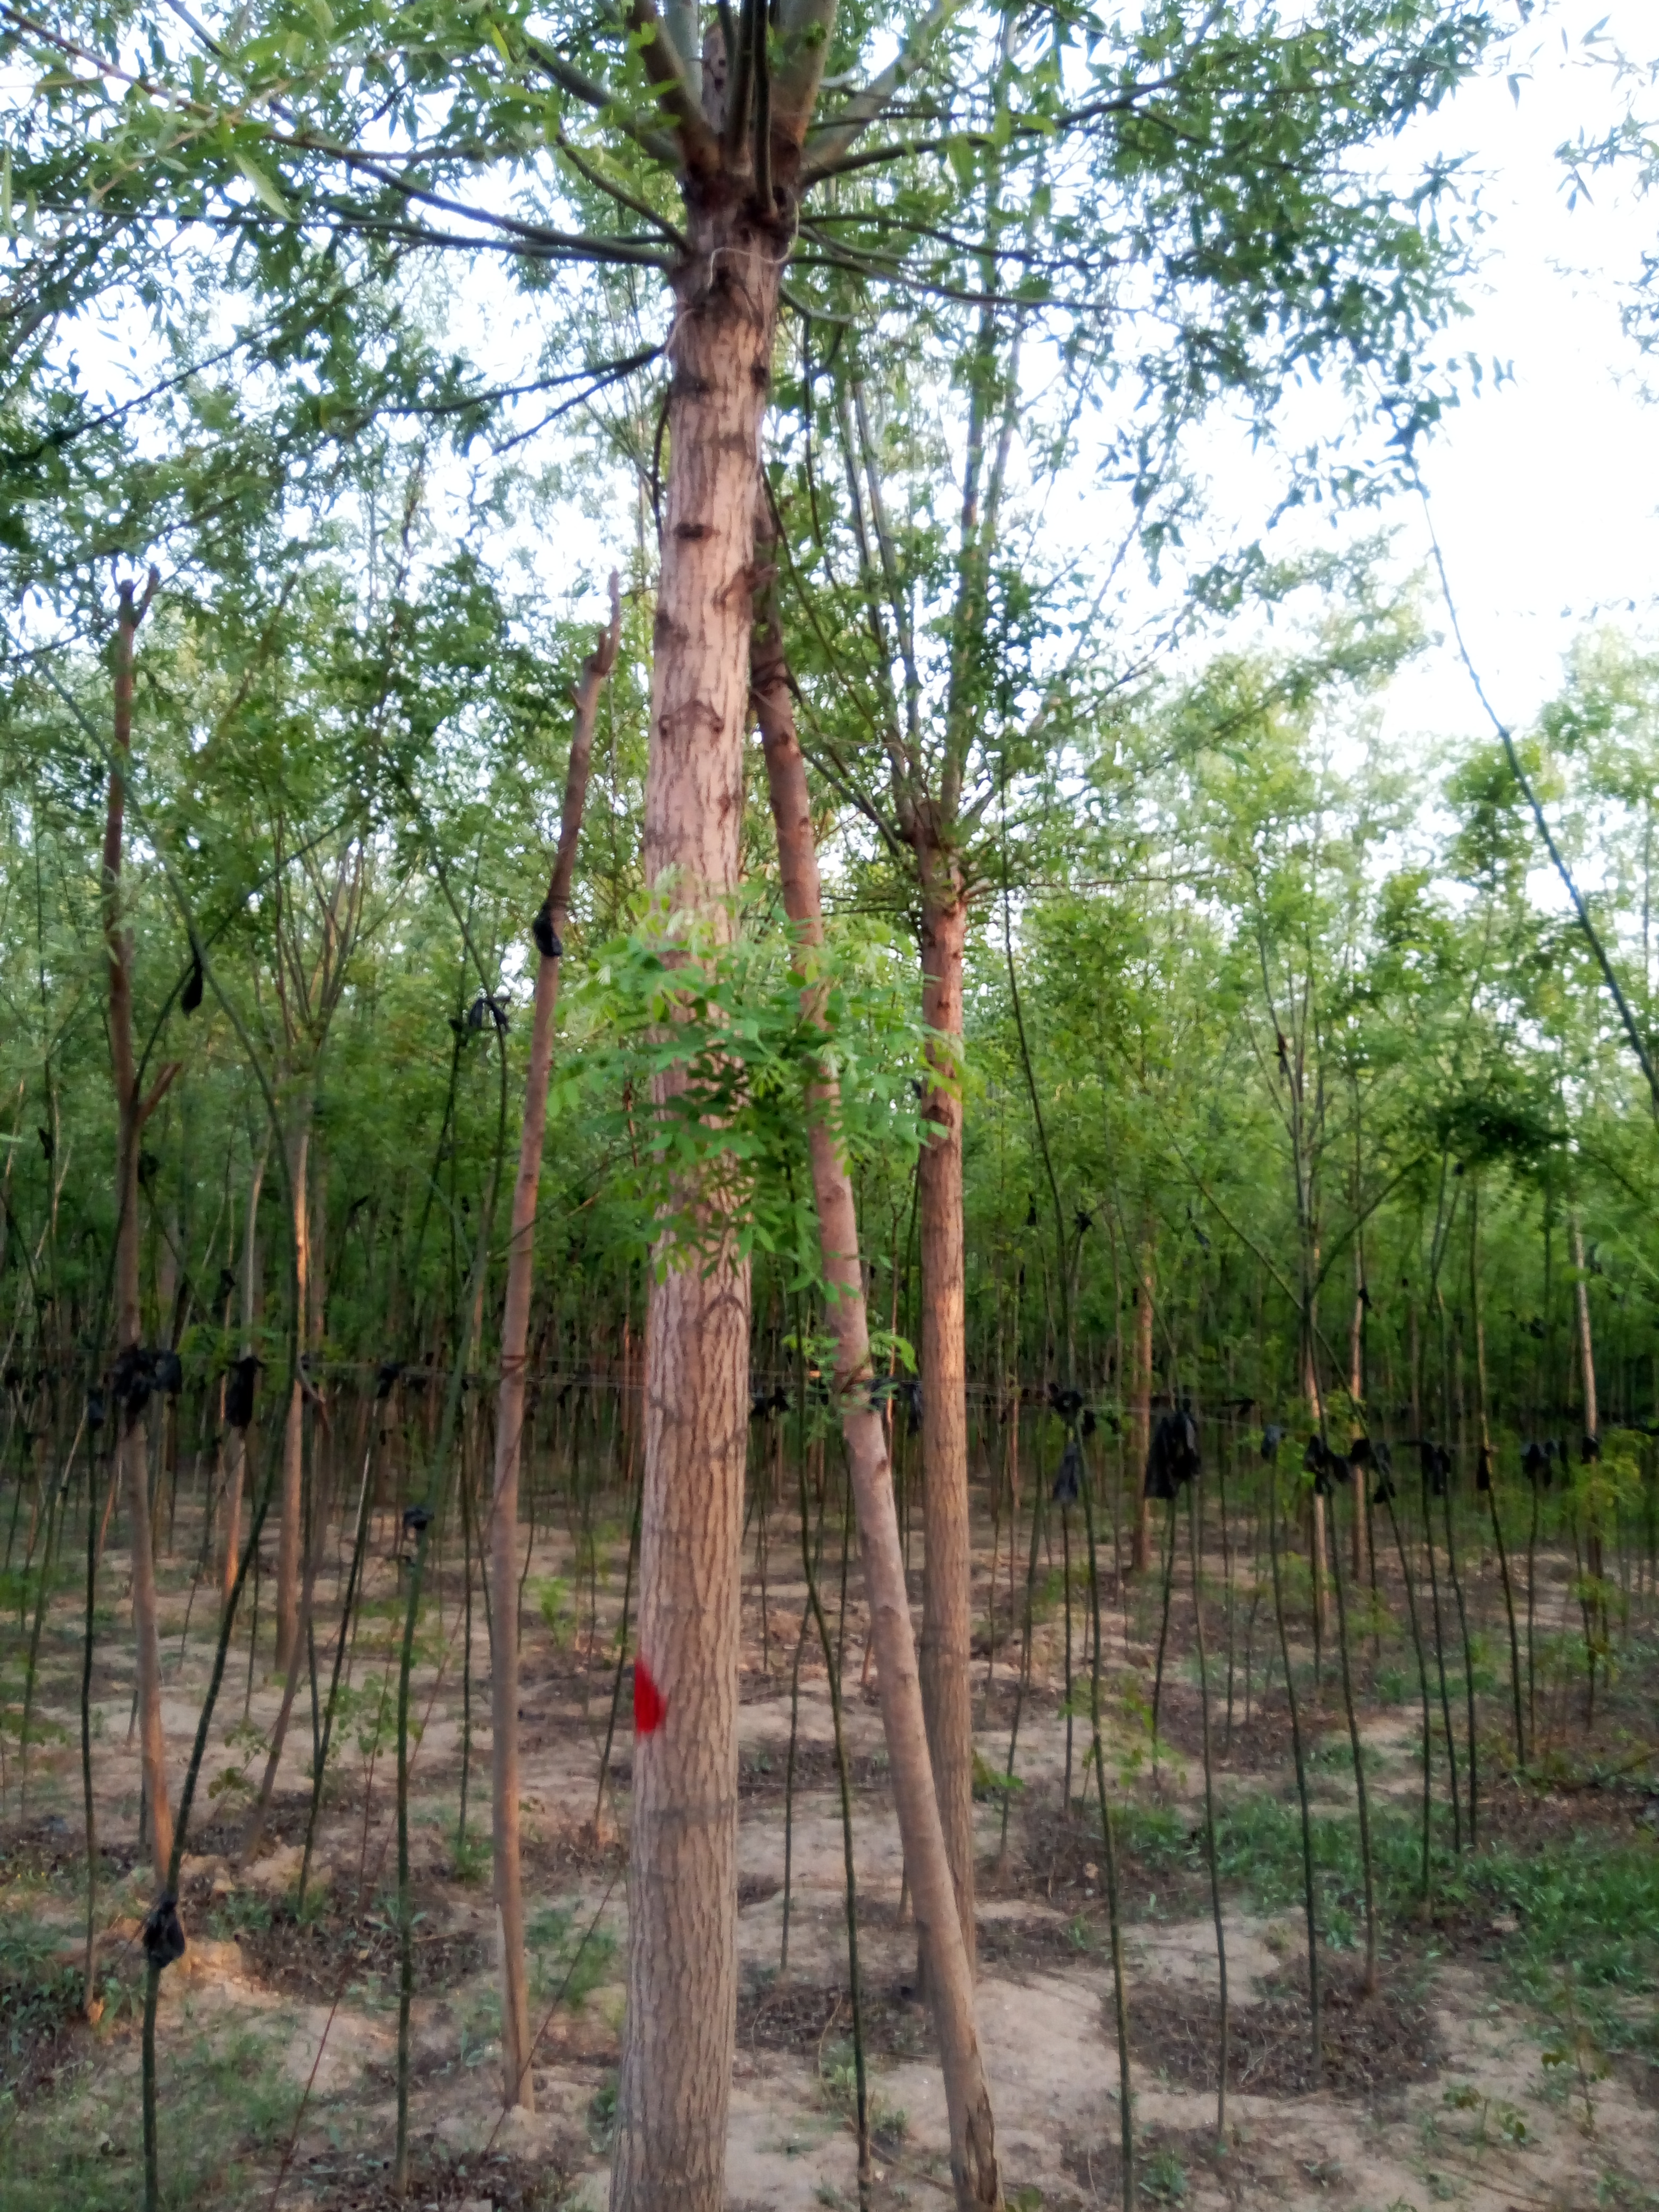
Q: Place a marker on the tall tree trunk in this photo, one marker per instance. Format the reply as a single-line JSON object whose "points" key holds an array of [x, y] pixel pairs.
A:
{"points": [[681, 2030], [237, 1478], [517, 2084], [315, 1319], [291, 1532], [946, 1614], [1140, 1404], [131, 1113], [932, 1888]]}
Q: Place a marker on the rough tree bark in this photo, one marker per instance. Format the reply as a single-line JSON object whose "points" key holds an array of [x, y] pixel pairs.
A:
{"points": [[517, 2087], [946, 1621], [740, 149], [682, 1988], [934, 1891], [132, 1112]]}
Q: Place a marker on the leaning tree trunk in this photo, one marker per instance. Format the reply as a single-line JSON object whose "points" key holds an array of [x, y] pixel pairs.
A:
{"points": [[681, 2030], [517, 2087], [130, 1370], [1592, 1410], [946, 1608], [934, 1895]]}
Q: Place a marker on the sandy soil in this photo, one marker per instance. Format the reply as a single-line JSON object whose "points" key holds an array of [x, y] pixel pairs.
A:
{"points": [[1437, 2090]]}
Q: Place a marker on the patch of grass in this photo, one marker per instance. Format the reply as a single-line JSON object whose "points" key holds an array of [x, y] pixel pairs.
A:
{"points": [[317, 1905], [560, 1960], [41, 1991], [235, 1915], [838, 2076], [224, 2103], [1163, 2177], [1587, 1905], [19, 1588], [1259, 1851]]}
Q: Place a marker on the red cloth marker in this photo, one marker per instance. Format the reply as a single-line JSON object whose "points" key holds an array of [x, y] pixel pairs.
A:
{"points": [[650, 1706]]}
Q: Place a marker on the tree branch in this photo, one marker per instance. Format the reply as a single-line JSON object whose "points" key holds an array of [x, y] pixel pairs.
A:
{"points": [[867, 107], [805, 30], [700, 149], [600, 182], [159, 1089]]}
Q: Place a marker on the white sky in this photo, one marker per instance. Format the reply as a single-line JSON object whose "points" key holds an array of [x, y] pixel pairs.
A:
{"points": [[1545, 489]]}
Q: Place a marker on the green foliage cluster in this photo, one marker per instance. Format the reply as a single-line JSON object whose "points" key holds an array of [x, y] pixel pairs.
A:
{"points": [[718, 1069], [570, 1956]]}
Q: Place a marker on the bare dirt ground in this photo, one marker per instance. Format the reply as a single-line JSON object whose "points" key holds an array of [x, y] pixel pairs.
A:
{"points": [[1458, 2080]]}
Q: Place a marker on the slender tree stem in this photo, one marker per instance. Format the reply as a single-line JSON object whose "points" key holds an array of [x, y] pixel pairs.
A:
{"points": [[1309, 1887], [1361, 1794], [1209, 1811], [1109, 1852]]}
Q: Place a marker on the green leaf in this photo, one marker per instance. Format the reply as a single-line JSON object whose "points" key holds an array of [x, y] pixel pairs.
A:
{"points": [[264, 186]]}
